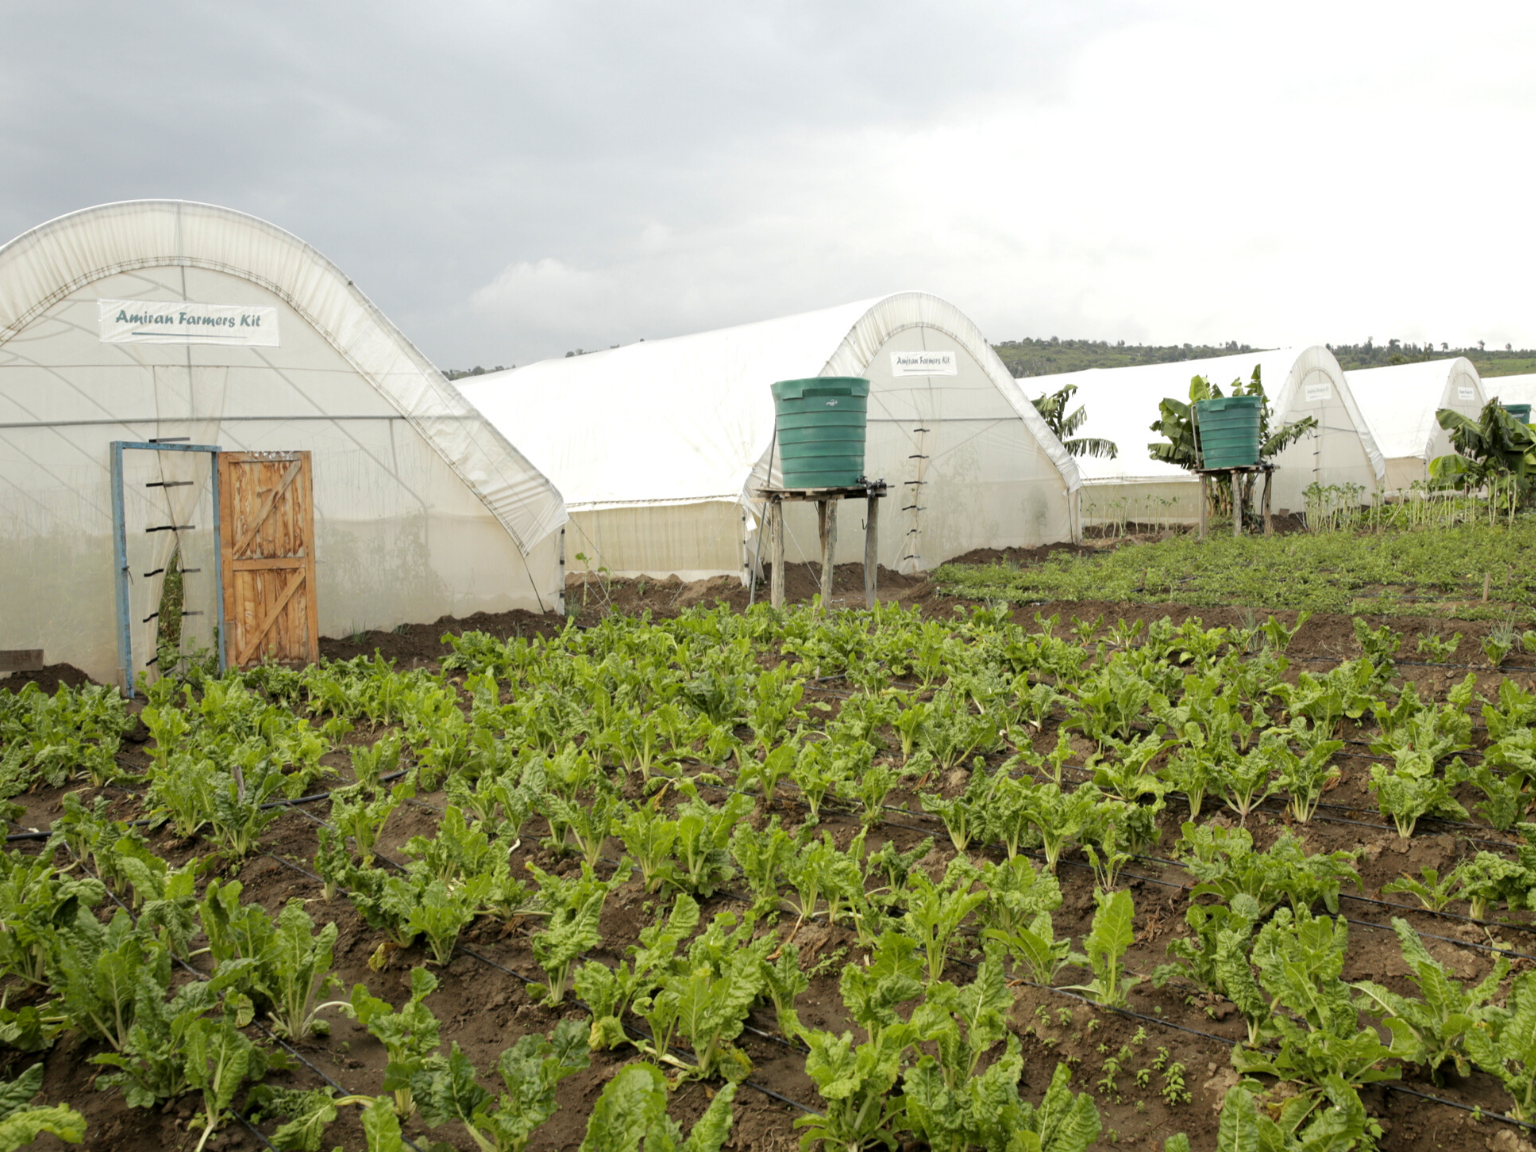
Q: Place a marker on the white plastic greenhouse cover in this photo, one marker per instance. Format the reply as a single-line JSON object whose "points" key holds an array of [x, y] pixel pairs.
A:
{"points": [[1399, 403], [422, 508], [1122, 405], [659, 426], [1511, 389]]}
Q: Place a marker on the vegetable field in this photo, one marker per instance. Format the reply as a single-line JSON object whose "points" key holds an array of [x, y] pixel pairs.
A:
{"points": [[955, 880], [1469, 572]]}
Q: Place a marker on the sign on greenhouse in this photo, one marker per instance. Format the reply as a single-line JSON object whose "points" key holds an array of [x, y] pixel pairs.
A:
{"points": [[924, 363], [173, 322], [1321, 390]]}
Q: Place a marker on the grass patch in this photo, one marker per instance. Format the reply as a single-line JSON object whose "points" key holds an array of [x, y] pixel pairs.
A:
{"points": [[1429, 572]]}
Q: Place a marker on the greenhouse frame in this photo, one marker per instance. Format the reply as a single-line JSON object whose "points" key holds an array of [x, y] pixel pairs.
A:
{"points": [[1121, 405], [1399, 403], [141, 332], [660, 447]]}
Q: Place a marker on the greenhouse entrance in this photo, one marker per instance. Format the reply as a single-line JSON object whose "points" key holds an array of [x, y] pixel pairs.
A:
{"points": [[267, 531], [165, 523]]}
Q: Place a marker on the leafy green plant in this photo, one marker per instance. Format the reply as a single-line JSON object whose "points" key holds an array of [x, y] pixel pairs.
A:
{"points": [[1433, 891], [410, 1035], [1195, 957], [1411, 789], [357, 815], [1016, 893], [1505, 1045], [571, 906], [219, 1060], [1322, 1047], [1249, 780], [530, 1071], [1439, 648], [649, 837], [1305, 777], [703, 834], [1060, 817], [707, 999], [1339, 1125], [1224, 862], [294, 970], [609, 992], [22, 1122], [1111, 934], [1034, 947], [855, 1082], [762, 856], [1488, 878], [890, 976], [633, 1107], [1430, 1029], [934, 911], [964, 816]]}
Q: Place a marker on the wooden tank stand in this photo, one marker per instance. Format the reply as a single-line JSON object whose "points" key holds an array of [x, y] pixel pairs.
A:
{"points": [[1237, 516], [826, 523]]}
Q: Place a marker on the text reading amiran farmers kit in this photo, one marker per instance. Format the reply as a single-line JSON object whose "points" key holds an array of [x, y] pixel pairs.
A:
{"points": [[170, 322]]}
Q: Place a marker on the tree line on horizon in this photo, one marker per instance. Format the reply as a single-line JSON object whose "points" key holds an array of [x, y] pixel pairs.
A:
{"points": [[1039, 356]]}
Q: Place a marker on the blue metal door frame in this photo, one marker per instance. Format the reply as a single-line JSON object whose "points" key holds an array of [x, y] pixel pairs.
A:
{"points": [[120, 549]]}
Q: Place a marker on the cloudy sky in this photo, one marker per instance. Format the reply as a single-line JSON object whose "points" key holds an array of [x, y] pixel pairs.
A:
{"points": [[512, 180]]}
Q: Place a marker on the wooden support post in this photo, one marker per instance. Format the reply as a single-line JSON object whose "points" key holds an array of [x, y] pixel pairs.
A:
{"points": [[776, 536], [1205, 501], [1269, 524], [871, 550], [826, 519], [1237, 505]]}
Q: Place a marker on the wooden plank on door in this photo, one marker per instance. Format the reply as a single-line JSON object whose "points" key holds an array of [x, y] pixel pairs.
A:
{"points": [[267, 527]]}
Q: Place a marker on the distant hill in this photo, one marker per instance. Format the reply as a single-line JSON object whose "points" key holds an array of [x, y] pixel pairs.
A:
{"points": [[1031, 357], [460, 373], [1041, 357]]}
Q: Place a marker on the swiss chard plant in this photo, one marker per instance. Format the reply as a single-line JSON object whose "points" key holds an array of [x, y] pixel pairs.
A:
{"points": [[891, 976], [934, 911], [22, 1121], [410, 1034], [633, 1107], [609, 992], [571, 907], [1431, 1029], [855, 1082], [448, 1092], [1505, 1045], [1111, 935]]}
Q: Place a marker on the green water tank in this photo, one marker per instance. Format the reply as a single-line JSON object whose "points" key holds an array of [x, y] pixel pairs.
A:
{"points": [[1229, 431], [1521, 412], [820, 430]]}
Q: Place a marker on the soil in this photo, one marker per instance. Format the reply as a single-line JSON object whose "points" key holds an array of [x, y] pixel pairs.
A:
{"points": [[484, 1004], [47, 678]]}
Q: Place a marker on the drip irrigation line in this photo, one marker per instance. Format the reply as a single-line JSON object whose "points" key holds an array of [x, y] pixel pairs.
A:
{"points": [[1446, 939], [1124, 1011], [1393, 1086]]}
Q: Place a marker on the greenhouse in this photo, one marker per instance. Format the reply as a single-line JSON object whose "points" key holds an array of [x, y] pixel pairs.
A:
{"points": [[1511, 389], [658, 447], [359, 489], [1399, 403], [1121, 405]]}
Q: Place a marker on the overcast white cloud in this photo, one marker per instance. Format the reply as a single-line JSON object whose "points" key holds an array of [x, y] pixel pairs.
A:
{"points": [[512, 180]]}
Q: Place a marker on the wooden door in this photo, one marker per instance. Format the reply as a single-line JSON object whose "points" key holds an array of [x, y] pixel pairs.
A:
{"points": [[267, 529]]}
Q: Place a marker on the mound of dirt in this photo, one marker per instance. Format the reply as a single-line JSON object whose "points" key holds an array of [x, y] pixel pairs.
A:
{"points": [[48, 678]]}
